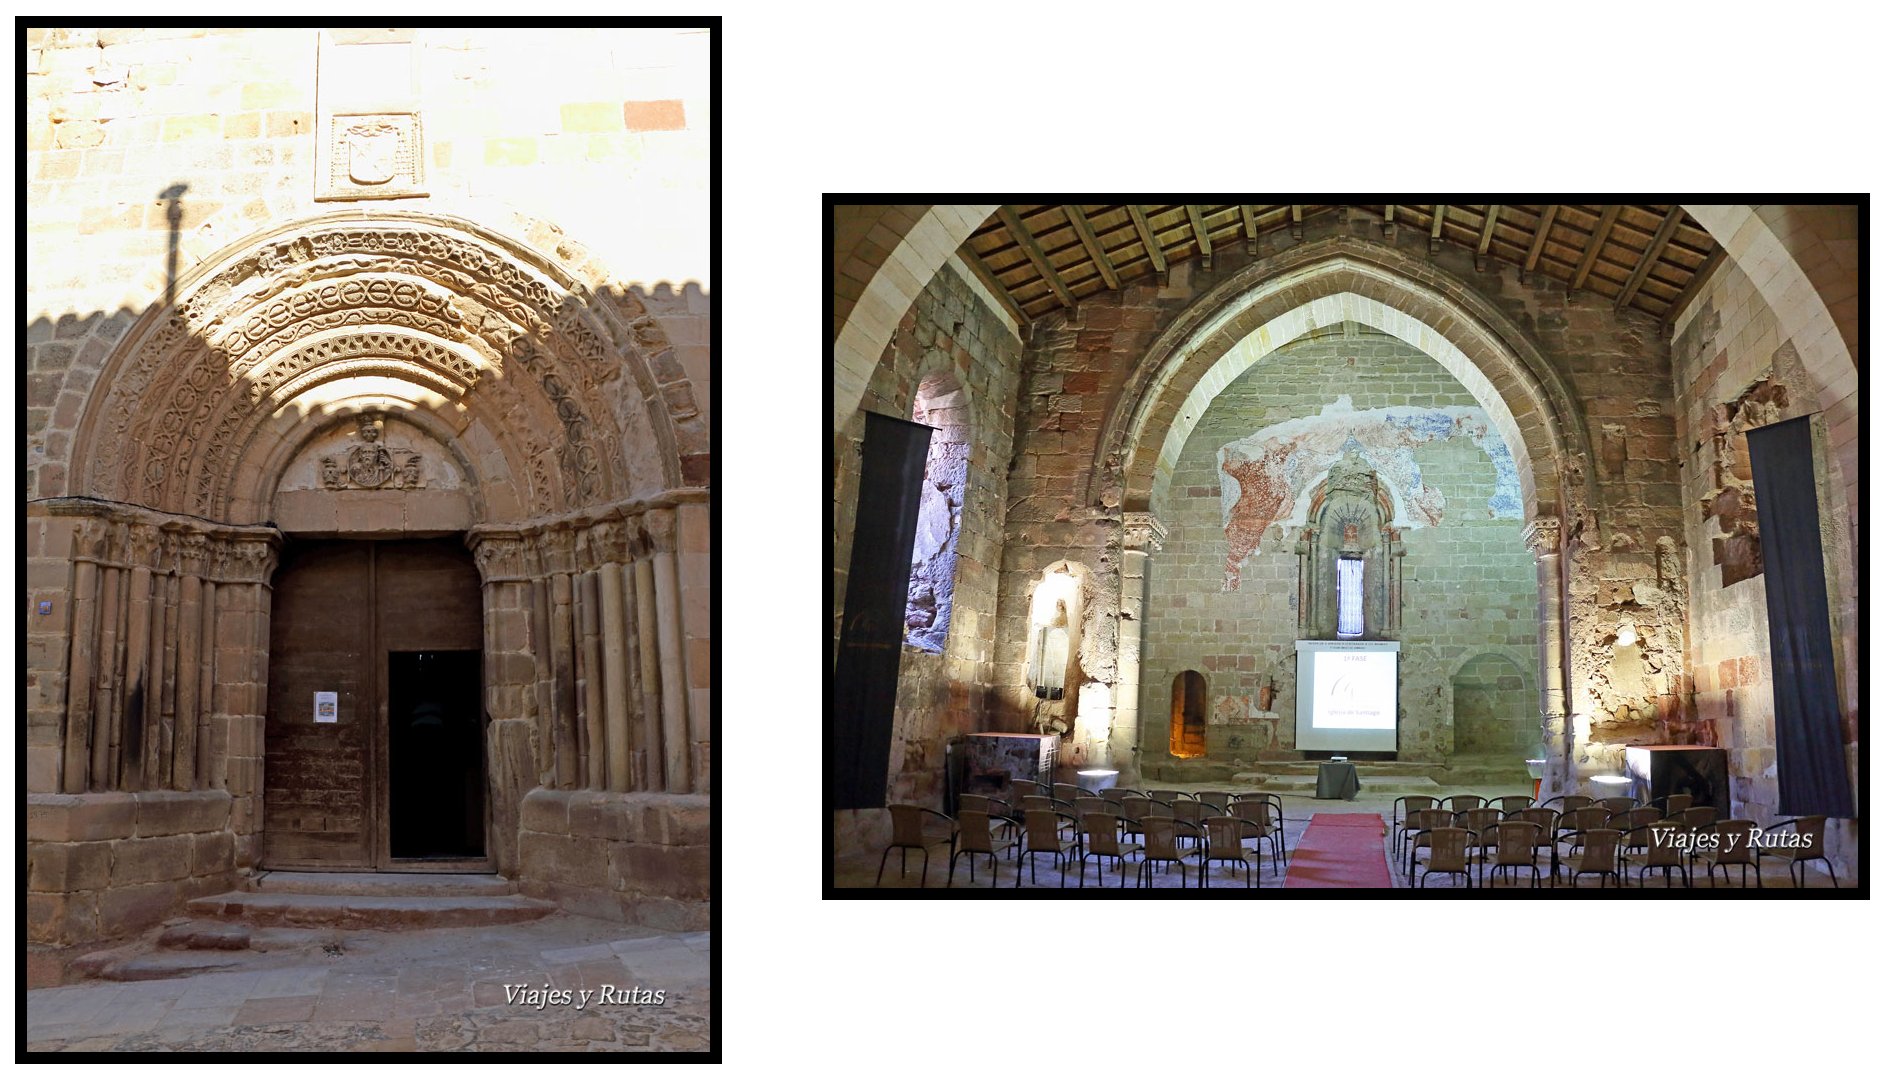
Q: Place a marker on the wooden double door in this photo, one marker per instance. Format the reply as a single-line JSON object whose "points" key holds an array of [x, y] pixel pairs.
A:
{"points": [[375, 723]]}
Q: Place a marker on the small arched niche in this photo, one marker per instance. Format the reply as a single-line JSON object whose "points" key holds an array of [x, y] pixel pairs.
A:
{"points": [[1188, 697], [374, 471], [1056, 613]]}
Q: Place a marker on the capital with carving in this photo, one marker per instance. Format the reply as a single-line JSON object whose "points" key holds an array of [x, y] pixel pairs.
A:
{"points": [[1143, 532], [500, 556], [193, 553], [1543, 535], [659, 524], [250, 560]]}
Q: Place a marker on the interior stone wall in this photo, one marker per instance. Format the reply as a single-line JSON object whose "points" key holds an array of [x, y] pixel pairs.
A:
{"points": [[1728, 351], [1469, 587], [939, 695], [1614, 364]]}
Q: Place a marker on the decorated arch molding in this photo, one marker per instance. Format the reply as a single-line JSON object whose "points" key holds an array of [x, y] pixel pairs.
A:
{"points": [[1282, 298], [580, 392]]}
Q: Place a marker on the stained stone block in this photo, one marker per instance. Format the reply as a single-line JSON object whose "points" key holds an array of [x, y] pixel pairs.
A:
{"points": [[65, 818]]}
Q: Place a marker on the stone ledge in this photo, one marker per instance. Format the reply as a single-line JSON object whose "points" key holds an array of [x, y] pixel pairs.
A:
{"points": [[76, 818]]}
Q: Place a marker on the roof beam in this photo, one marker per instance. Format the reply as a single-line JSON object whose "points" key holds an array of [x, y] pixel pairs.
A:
{"points": [[1597, 239], [1083, 227], [1031, 248], [988, 280], [1295, 222], [1537, 241], [1198, 231], [1387, 226], [1145, 235], [1249, 228], [1481, 259], [1701, 276], [1439, 217], [1653, 254]]}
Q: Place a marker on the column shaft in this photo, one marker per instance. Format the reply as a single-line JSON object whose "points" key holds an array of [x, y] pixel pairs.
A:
{"points": [[673, 674], [651, 678], [615, 676]]}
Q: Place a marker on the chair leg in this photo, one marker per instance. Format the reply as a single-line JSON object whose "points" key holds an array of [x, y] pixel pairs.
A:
{"points": [[881, 862], [924, 882], [952, 857], [1830, 870]]}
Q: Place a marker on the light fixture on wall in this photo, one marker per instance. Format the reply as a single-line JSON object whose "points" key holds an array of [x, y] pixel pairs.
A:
{"points": [[1626, 636]]}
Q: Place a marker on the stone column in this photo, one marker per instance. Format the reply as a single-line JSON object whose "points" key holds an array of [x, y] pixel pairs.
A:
{"points": [[594, 729], [559, 558], [615, 685], [1544, 537], [646, 633], [132, 728], [515, 673], [242, 638], [85, 613], [190, 555], [1143, 535], [660, 524], [111, 614]]}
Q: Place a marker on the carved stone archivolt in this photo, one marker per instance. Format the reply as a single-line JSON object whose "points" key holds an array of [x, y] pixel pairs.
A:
{"points": [[442, 305]]}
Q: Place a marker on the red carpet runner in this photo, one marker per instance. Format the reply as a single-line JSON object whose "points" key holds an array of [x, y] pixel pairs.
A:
{"points": [[1340, 850]]}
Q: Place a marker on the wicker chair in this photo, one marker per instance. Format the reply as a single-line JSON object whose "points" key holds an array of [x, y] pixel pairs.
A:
{"points": [[976, 836], [1168, 795], [1450, 851], [1515, 842], [1511, 803], [1224, 843], [1483, 824], [1265, 818], [1068, 793], [906, 834], [1546, 821], [1571, 829], [1569, 803], [1099, 837], [1161, 847], [1459, 803], [1281, 816], [1666, 851], [1813, 830], [1192, 812], [996, 810], [1120, 794], [1419, 828], [1732, 845], [1621, 803], [1041, 803], [1403, 809], [1673, 805], [1220, 799], [1599, 846], [1636, 834], [1043, 837], [1694, 818]]}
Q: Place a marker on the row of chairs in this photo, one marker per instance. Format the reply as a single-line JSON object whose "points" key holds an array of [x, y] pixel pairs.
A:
{"points": [[1599, 845]]}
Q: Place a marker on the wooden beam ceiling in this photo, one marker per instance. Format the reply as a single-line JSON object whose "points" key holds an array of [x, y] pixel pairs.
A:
{"points": [[1641, 257]]}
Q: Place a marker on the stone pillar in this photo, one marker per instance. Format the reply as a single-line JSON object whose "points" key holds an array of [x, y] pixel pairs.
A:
{"points": [[646, 633], [79, 711], [558, 555], [206, 678], [1544, 537], [660, 524], [242, 638], [190, 556], [615, 685], [516, 738], [111, 586], [1143, 535], [128, 749], [696, 625], [594, 729]]}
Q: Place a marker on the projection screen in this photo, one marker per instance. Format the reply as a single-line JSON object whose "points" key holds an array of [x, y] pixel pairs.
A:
{"points": [[1347, 695]]}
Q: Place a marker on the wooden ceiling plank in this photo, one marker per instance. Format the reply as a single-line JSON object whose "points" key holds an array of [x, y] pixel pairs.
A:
{"points": [[1481, 258], [1439, 217], [1077, 217], [1705, 273], [1537, 241], [1654, 253], [1146, 236], [980, 268], [1387, 226], [1295, 222], [1250, 230], [1597, 239], [1199, 232], [1031, 247]]}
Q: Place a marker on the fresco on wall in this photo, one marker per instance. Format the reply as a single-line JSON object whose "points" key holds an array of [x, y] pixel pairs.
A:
{"points": [[1264, 475]]}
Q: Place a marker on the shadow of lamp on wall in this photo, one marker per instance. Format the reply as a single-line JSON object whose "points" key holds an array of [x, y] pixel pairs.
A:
{"points": [[173, 215]]}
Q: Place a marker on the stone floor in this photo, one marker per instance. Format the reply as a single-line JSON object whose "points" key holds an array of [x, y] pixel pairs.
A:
{"points": [[858, 868], [434, 990]]}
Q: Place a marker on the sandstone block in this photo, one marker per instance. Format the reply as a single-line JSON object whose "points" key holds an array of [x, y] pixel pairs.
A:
{"points": [[61, 919], [600, 815], [686, 820], [212, 853], [72, 818], [546, 810], [673, 872], [129, 909], [591, 117], [175, 812], [144, 861], [67, 866], [654, 115], [673, 915]]}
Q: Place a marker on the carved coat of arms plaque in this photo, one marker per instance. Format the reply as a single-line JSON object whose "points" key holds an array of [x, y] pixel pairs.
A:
{"points": [[377, 155]]}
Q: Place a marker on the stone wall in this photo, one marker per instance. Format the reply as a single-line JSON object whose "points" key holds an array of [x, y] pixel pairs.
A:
{"points": [[1622, 502], [1733, 371], [1469, 588], [639, 858], [950, 331], [103, 865]]}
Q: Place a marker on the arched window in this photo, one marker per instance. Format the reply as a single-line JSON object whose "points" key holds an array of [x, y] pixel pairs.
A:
{"points": [[941, 404], [1187, 715]]}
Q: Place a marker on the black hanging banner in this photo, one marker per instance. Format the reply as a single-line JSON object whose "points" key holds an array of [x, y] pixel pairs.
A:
{"points": [[1806, 719], [876, 598]]}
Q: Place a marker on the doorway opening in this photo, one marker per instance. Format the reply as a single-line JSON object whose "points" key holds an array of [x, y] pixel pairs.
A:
{"points": [[435, 755]]}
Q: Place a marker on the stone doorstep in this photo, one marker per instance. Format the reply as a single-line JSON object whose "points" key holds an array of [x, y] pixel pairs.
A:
{"points": [[440, 885], [369, 912]]}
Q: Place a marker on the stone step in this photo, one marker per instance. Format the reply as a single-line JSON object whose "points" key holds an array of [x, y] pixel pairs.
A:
{"points": [[414, 885], [368, 911], [206, 936], [160, 965]]}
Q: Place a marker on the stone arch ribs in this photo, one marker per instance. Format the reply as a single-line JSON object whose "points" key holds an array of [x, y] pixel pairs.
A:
{"points": [[440, 303], [1281, 298]]}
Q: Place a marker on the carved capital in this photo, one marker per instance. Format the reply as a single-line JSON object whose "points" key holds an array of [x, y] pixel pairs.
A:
{"points": [[501, 557], [1543, 535], [193, 553], [248, 560], [143, 543], [557, 547], [659, 526], [610, 541], [1143, 532]]}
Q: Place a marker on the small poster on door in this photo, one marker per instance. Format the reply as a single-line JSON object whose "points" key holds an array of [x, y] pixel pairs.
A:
{"points": [[326, 706]]}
